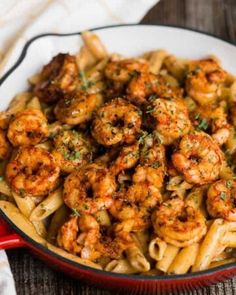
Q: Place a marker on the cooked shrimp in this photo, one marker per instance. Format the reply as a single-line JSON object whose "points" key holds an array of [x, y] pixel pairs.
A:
{"points": [[4, 146], [28, 127], [221, 200], [32, 172], [79, 236], [72, 149], [67, 236], [171, 119], [58, 77], [122, 70], [89, 190], [203, 83], [144, 85], [152, 163], [116, 122], [134, 206], [127, 158], [78, 108], [199, 158], [82, 236], [178, 223]]}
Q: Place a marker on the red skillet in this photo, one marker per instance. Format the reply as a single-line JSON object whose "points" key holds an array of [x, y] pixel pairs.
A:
{"points": [[13, 237]]}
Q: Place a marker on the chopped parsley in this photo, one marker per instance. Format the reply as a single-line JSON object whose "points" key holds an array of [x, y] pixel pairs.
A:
{"points": [[150, 109], [75, 212], [155, 165], [1, 178], [85, 82], [86, 207], [228, 184], [202, 122], [223, 196], [142, 136], [152, 97], [74, 155], [22, 192]]}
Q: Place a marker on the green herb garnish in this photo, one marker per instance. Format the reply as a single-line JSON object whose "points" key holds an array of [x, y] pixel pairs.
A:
{"points": [[75, 212], [223, 196], [85, 82], [203, 124]]}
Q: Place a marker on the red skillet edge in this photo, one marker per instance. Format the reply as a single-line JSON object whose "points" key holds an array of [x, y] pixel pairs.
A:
{"points": [[105, 280]]}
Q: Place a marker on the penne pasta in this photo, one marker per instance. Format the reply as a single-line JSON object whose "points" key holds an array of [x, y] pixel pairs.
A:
{"points": [[59, 217], [209, 246], [157, 248], [184, 259], [26, 206], [21, 221], [137, 259], [156, 59], [47, 206], [121, 266], [85, 59], [94, 44], [229, 239], [168, 257]]}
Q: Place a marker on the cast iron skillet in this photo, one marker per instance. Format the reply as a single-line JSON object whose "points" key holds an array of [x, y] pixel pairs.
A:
{"points": [[12, 237]]}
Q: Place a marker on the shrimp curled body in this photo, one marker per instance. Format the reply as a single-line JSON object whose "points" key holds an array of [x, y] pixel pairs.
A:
{"points": [[204, 80], [221, 199], [72, 149], [199, 158], [58, 77], [178, 223], [78, 108], [171, 118], [29, 127], [116, 122], [33, 171], [89, 190]]}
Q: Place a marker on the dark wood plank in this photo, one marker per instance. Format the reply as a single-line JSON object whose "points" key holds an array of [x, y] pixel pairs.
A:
{"points": [[212, 16]]}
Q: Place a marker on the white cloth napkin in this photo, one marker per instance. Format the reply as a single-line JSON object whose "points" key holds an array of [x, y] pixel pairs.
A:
{"points": [[20, 20]]}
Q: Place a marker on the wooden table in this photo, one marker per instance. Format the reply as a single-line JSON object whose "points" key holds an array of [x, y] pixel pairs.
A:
{"points": [[213, 16]]}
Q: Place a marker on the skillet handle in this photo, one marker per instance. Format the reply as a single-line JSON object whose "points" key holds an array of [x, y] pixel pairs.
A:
{"points": [[8, 239]]}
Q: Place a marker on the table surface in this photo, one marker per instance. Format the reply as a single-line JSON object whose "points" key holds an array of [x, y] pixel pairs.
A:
{"points": [[212, 16]]}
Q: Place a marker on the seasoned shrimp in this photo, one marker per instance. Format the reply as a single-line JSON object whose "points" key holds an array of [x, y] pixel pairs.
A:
{"points": [[127, 158], [82, 236], [116, 122], [144, 85], [199, 158], [79, 236], [152, 163], [78, 108], [171, 119], [89, 190], [72, 149], [221, 200], [178, 223], [33, 172], [28, 127], [123, 70], [133, 207], [58, 77], [4, 146], [204, 80]]}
